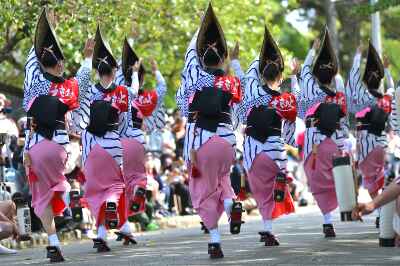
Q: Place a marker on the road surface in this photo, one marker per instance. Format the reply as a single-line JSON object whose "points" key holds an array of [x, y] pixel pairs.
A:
{"points": [[301, 239]]}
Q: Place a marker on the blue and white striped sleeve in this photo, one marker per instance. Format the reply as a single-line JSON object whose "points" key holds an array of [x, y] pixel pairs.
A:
{"points": [[119, 76], [309, 85], [182, 96], [157, 118], [161, 88], [393, 118], [32, 68], [358, 96], [252, 98], [83, 74], [85, 95], [38, 87], [237, 69], [32, 73], [288, 132]]}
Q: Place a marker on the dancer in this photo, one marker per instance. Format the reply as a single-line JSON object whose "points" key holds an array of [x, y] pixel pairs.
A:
{"points": [[206, 97], [270, 117], [48, 97], [323, 109], [373, 111], [144, 105], [102, 149]]}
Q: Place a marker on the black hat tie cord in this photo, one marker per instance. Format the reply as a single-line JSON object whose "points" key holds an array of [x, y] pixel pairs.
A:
{"points": [[214, 48], [49, 50], [102, 60]]}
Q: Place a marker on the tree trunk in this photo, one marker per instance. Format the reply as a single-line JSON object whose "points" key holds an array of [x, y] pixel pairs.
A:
{"points": [[331, 17]]}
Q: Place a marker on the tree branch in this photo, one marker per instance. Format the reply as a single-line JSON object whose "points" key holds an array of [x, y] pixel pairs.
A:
{"points": [[10, 44]]}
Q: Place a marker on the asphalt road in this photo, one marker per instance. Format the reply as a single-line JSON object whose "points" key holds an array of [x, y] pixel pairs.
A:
{"points": [[301, 239]]}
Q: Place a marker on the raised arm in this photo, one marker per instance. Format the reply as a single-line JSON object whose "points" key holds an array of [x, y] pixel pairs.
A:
{"points": [[358, 96], [32, 68], [32, 73], [309, 85], [253, 95], [393, 118], [161, 84]]}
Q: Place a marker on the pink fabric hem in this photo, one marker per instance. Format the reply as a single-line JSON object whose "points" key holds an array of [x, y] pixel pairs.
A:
{"points": [[214, 160]]}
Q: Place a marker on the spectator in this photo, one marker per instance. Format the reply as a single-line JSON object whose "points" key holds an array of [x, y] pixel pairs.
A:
{"points": [[179, 192], [8, 224], [178, 129]]}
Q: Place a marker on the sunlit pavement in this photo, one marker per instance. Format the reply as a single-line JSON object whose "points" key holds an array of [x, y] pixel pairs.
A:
{"points": [[301, 239]]}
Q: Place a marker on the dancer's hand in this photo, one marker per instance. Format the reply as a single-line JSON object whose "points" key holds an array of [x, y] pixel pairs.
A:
{"points": [[316, 44], [234, 53], [386, 62], [295, 66], [154, 66], [89, 47]]}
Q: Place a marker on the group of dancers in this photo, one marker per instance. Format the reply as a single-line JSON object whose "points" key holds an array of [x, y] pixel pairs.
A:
{"points": [[112, 113]]}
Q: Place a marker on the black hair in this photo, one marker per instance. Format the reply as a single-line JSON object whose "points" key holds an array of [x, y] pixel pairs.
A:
{"points": [[373, 81], [48, 58], [211, 57], [271, 72], [104, 68]]}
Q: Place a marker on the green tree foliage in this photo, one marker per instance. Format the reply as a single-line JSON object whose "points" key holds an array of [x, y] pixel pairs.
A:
{"points": [[354, 27], [164, 29]]}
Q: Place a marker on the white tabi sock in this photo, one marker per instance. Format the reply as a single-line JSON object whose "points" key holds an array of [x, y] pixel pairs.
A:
{"points": [[228, 206], [267, 225], [102, 232], [215, 236], [125, 228], [328, 218], [53, 240]]}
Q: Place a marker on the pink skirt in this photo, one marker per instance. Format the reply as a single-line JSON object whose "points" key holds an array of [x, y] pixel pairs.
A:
{"points": [[213, 186], [320, 176], [48, 164], [372, 169], [261, 179], [104, 182], [133, 170]]}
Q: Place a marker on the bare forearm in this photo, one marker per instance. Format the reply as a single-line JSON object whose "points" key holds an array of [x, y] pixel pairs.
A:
{"points": [[388, 195]]}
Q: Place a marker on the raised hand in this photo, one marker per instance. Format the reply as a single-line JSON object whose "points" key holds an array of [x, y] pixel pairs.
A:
{"points": [[294, 66], [154, 66], [89, 47], [51, 16], [234, 53], [386, 61], [359, 49], [316, 44]]}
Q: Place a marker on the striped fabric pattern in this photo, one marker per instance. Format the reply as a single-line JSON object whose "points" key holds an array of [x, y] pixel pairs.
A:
{"points": [[358, 99], [193, 78], [254, 96], [158, 118], [310, 95], [109, 142], [35, 84]]}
